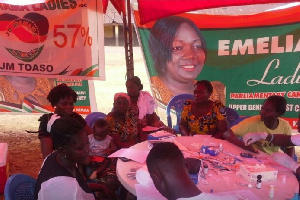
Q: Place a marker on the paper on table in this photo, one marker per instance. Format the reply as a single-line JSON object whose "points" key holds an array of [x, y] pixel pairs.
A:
{"points": [[150, 128], [148, 193], [240, 194], [130, 153], [180, 146]]}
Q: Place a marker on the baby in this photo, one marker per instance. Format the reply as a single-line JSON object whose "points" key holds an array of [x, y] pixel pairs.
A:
{"points": [[101, 168], [101, 144]]}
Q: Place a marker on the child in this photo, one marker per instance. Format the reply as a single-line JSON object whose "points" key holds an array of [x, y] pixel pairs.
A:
{"points": [[101, 144], [101, 168]]}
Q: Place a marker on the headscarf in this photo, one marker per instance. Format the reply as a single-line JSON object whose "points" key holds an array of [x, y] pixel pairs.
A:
{"points": [[121, 94]]}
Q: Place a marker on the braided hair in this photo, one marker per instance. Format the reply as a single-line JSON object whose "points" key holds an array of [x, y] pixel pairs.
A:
{"points": [[63, 130], [61, 91], [136, 80]]}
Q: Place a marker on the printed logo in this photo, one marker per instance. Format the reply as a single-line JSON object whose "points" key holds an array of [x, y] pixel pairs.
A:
{"points": [[32, 28]]}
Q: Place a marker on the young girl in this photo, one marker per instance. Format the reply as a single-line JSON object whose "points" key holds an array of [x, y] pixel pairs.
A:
{"points": [[62, 99]]}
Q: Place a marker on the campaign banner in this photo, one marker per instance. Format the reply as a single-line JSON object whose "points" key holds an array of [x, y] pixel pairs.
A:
{"points": [[56, 39], [28, 95], [246, 57]]}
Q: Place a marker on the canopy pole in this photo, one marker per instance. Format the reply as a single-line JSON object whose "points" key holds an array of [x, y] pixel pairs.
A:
{"points": [[128, 42]]}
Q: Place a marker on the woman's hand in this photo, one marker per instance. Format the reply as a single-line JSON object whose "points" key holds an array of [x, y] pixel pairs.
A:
{"points": [[93, 175], [250, 148], [250, 138]]}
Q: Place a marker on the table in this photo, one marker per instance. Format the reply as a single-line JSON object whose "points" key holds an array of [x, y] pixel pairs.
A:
{"points": [[228, 182]]}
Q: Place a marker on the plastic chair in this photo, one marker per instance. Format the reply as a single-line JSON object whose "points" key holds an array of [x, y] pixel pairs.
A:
{"points": [[231, 115], [19, 187], [92, 118], [177, 103]]}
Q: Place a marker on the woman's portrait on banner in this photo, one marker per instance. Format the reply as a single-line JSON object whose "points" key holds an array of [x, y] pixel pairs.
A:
{"points": [[179, 52]]}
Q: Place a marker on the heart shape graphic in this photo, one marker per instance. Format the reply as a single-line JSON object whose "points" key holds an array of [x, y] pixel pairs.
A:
{"points": [[32, 28]]}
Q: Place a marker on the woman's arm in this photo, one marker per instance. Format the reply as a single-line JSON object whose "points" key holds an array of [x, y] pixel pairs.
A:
{"points": [[183, 128], [230, 137], [222, 126], [119, 143], [112, 147], [46, 146]]}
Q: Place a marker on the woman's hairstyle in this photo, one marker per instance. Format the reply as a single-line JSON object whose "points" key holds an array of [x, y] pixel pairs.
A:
{"points": [[165, 154], [279, 103], [207, 84], [60, 92], [136, 80], [63, 130], [161, 38]]}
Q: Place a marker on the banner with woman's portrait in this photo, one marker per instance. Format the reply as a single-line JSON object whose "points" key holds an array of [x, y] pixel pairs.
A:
{"points": [[247, 54]]}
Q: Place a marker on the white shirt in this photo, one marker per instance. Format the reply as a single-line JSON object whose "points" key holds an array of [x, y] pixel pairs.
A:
{"points": [[97, 148]]}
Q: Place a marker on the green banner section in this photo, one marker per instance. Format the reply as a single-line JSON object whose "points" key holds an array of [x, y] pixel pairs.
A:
{"points": [[252, 64]]}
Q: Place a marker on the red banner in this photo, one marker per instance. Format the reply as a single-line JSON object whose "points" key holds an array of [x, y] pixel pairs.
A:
{"points": [[152, 10]]}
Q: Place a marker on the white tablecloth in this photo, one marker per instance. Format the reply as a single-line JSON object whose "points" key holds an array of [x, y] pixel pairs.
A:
{"points": [[227, 182]]}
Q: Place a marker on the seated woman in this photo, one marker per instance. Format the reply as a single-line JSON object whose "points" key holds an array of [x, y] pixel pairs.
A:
{"points": [[268, 121], [142, 103], [62, 99], [203, 116], [123, 123], [60, 176]]}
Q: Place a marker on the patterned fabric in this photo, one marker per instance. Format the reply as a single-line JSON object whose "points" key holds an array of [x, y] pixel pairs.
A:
{"points": [[127, 130], [205, 124], [106, 170], [148, 120], [255, 125], [163, 94]]}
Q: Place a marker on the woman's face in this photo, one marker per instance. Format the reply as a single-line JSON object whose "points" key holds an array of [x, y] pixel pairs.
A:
{"points": [[121, 105], [132, 89], [77, 150], [187, 55], [201, 93], [65, 106], [268, 112]]}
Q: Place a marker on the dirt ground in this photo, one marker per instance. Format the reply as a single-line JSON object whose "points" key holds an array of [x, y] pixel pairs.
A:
{"points": [[24, 148]]}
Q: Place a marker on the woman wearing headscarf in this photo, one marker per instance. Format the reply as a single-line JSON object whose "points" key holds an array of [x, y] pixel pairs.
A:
{"points": [[123, 123]]}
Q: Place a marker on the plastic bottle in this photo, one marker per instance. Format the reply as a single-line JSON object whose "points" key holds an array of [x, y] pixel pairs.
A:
{"points": [[205, 168], [221, 147], [258, 182], [271, 193]]}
